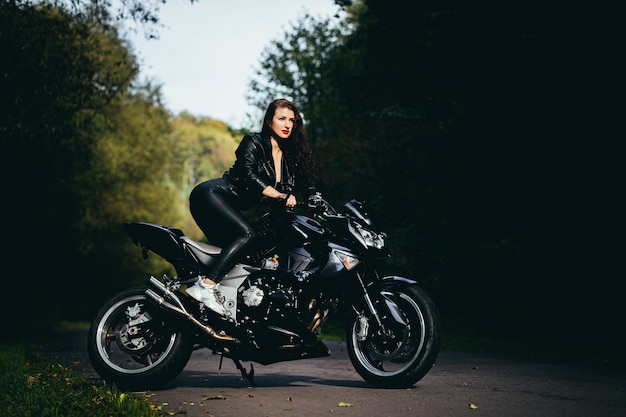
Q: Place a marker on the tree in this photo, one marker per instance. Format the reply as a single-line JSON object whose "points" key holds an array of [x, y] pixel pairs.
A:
{"points": [[63, 76], [205, 149], [299, 67], [85, 147]]}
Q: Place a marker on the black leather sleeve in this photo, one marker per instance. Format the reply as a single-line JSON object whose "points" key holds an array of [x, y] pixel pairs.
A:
{"points": [[249, 166]]}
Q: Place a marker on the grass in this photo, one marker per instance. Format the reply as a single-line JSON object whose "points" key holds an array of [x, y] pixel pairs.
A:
{"points": [[32, 384]]}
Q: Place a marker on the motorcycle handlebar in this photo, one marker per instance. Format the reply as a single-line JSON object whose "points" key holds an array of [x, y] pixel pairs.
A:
{"points": [[315, 204], [319, 206]]}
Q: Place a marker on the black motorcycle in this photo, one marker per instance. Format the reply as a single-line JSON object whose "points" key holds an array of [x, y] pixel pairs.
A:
{"points": [[303, 270]]}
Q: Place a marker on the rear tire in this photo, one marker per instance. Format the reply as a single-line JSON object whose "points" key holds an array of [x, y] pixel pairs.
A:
{"points": [[401, 355], [132, 347]]}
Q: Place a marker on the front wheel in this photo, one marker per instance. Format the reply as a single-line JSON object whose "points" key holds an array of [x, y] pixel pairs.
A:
{"points": [[400, 350], [131, 347]]}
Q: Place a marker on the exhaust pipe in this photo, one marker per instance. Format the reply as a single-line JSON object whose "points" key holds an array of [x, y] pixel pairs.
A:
{"points": [[164, 301]]}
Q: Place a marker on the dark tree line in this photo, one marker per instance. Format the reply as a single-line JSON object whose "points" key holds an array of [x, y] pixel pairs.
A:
{"points": [[480, 132], [487, 113]]}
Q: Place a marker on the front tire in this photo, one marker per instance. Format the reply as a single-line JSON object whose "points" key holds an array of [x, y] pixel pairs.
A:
{"points": [[132, 347], [396, 356]]}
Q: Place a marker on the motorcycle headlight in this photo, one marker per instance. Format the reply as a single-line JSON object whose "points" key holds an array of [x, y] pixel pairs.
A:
{"points": [[373, 240]]}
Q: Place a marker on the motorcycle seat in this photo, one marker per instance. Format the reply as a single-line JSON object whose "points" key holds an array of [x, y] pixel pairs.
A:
{"points": [[204, 247]]}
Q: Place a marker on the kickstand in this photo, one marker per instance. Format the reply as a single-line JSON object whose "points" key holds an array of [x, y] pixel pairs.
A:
{"points": [[219, 370], [244, 374]]}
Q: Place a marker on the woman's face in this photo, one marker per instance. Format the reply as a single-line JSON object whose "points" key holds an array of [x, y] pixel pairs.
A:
{"points": [[282, 123]]}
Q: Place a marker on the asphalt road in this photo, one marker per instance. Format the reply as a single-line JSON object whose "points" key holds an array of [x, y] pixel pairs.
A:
{"points": [[460, 384]]}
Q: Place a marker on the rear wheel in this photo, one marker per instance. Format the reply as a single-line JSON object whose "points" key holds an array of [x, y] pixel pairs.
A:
{"points": [[130, 347], [401, 351]]}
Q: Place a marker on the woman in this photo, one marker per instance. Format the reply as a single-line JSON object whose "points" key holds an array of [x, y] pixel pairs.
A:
{"points": [[272, 164]]}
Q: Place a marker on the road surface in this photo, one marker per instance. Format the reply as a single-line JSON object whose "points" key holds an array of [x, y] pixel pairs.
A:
{"points": [[460, 384]]}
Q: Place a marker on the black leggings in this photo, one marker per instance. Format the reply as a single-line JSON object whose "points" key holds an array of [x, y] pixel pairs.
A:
{"points": [[212, 206]]}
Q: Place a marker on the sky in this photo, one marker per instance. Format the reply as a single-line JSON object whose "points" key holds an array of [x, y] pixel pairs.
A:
{"points": [[207, 51]]}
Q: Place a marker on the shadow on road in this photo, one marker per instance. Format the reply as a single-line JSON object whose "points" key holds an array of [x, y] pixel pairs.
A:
{"points": [[459, 383]]}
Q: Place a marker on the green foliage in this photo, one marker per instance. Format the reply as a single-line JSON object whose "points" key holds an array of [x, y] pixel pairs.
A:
{"points": [[59, 74], [87, 148], [295, 66], [204, 149], [134, 177], [33, 385]]}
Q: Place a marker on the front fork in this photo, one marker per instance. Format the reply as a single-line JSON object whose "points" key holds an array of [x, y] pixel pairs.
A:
{"points": [[387, 307]]}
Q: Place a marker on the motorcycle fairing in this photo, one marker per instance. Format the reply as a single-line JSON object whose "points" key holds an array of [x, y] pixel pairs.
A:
{"points": [[280, 343]]}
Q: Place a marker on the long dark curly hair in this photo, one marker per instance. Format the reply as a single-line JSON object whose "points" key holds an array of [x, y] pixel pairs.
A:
{"points": [[296, 148]]}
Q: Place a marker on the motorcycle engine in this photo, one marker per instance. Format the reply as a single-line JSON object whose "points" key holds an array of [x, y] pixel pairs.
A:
{"points": [[265, 298], [252, 296]]}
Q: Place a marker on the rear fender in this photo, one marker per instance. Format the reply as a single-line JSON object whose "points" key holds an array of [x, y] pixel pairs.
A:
{"points": [[162, 240]]}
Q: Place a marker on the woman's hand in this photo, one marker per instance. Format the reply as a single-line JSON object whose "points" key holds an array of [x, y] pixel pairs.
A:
{"points": [[291, 201]]}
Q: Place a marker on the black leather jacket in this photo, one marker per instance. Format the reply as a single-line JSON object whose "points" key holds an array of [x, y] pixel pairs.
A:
{"points": [[253, 171]]}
